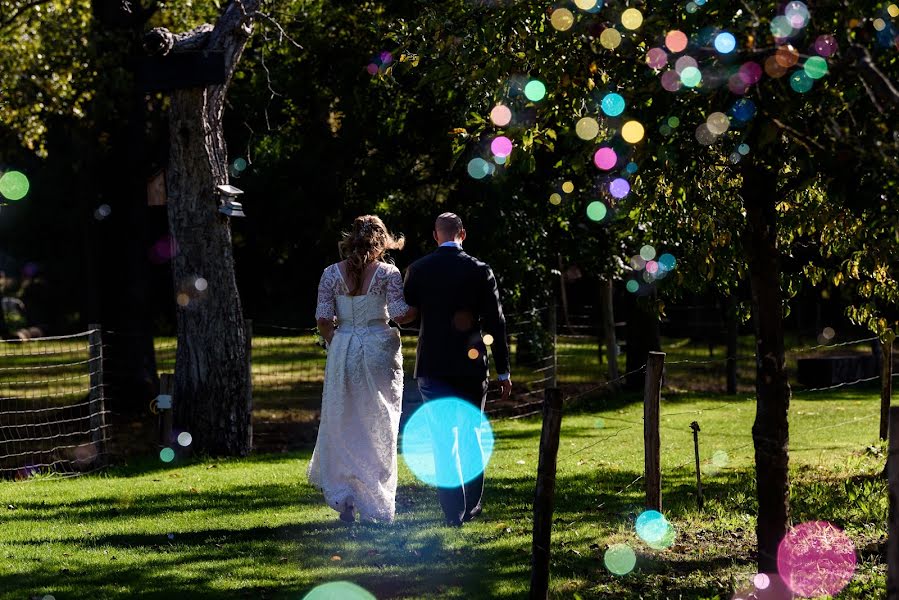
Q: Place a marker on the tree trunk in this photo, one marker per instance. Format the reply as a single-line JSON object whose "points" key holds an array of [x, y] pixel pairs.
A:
{"points": [[608, 326], [770, 432], [733, 329], [643, 337], [213, 391], [119, 270]]}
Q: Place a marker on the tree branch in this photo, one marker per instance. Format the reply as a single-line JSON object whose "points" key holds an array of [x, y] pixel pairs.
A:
{"points": [[879, 82], [283, 34], [160, 41], [798, 135]]}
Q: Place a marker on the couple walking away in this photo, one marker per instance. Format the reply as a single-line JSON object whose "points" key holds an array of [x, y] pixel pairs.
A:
{"points": [[456, 300]]}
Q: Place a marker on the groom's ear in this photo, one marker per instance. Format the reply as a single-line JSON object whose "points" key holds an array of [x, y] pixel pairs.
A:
{"points": [[434, 233]]}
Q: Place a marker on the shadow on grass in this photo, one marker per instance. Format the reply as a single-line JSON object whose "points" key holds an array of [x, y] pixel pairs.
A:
{"points": [[413, 558]]}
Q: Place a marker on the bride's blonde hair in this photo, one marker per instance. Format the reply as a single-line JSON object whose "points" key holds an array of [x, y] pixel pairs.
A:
{"points": [[367, 242]]}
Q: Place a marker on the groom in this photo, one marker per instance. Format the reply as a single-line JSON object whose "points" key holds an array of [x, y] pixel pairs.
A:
{"points": [[458, 300]]}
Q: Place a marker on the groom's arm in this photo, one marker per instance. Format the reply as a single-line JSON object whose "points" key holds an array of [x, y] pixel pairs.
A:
{"points": [[494, 323]]}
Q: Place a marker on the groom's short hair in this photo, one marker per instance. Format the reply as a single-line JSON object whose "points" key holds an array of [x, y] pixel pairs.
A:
{"points": [[449, 224]]}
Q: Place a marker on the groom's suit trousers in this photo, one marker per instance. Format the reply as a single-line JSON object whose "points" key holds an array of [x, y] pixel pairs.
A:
{"points": [[463, 501]]}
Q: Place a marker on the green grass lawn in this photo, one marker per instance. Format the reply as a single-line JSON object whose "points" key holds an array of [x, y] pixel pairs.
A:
{"points": [[253, 528]]}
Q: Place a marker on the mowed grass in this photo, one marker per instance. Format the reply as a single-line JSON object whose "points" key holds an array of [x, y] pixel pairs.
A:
{"points": [[253, 528]]}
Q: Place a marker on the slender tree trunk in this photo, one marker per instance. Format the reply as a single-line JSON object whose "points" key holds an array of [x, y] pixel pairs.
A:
{"points": [[770, 432], [608, 326], [642, 337], [213, 392]]}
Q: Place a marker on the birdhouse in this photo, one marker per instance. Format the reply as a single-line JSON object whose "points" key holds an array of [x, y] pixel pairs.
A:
{"points": [[228, 204]]}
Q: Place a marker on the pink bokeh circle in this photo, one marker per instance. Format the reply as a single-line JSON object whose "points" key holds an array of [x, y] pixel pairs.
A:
{"points": [[501, 146], [816, 559], [605, 158]]}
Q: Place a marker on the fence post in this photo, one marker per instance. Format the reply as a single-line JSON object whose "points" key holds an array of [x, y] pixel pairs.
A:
{"points": [[700, 501], [165, 404], [652, 395], [893, 523], [248, 328], [544, 495], [886, 386], [554, 332], [97, 401], [564, 294]]}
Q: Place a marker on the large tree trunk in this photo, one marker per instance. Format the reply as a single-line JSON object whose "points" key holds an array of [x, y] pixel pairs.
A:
{"points": [[118, 255], [770, 432], [213, 394]]}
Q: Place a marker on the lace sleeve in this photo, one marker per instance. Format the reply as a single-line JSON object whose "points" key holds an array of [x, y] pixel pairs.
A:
{"points": [[396, 302], [326, 307]]}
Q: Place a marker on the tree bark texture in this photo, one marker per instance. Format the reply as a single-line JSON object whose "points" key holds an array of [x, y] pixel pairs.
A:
{"points": [[213, 390], [770, 432]]}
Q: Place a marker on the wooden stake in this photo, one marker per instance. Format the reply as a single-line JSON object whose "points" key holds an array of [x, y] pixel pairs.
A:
{"points": [[166, 388], [97, 399], [886, 386], [544, 496], [699, 499], [652, 395]]}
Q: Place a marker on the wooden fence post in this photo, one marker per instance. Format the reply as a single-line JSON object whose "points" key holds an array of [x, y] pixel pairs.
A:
{"points": [[248, 328], [97, 398], [886, 386], [166, 402], [553, 331], [893, 492], [544, 496], [652, 396], [700, 501]]}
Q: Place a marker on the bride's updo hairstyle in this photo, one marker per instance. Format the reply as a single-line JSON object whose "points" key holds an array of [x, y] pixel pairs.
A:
{"points": [[367, 242]]}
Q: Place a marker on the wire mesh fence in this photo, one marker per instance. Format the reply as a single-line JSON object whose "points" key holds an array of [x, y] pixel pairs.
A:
{"points": [[52, 409], [850, 406]]}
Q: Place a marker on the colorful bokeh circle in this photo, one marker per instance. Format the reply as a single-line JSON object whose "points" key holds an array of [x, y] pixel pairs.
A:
{"points": [[14, 185], [596, 211], [816, 559], [620, 559], [446, 439], [535, 90], [339, 590]]}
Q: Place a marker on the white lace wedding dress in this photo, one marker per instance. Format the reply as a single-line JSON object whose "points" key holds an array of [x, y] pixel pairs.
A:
{"points": [[355, 453]]}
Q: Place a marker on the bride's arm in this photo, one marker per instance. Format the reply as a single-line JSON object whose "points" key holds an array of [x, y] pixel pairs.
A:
{"points": [[397, 307], [326, 308]]}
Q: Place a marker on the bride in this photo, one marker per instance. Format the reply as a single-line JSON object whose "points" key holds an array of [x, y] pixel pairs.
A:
{"points": [[354, 462]]}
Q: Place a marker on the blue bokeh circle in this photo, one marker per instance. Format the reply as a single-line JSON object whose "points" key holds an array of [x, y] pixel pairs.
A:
{"points": [[447, 442]]}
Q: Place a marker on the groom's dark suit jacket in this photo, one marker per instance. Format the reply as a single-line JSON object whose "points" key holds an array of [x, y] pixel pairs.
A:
{"points": [[458, 300]]}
